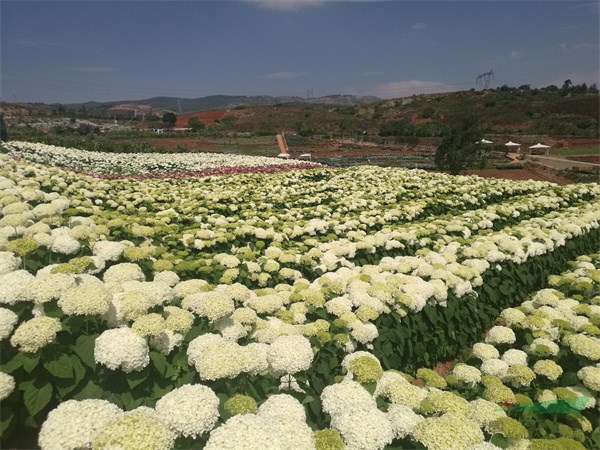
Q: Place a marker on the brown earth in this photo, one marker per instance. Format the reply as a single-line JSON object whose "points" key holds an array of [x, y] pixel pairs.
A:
{"points": [[594, 159], [207, 117]]}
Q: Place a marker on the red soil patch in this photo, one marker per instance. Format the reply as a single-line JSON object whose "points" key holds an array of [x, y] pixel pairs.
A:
{"points": [[594, 159], [570, 141], [208, 117]]}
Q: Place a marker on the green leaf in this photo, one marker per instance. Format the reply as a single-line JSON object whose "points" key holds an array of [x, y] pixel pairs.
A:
{"points": [[499, 441], [136, 378], [30, 361], [90, 390], [78, 369], [308, 399], [159, 361], [36, 399], [13, 364], [60, 366], [6, 418], [84, 348], [370, 387]]}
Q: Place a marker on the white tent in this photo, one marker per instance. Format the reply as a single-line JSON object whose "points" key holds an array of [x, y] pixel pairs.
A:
{"points": [[511, 145], [485, 141], [538, 145]]}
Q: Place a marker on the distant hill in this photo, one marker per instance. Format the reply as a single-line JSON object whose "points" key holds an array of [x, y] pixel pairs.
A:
{"points": [[158, 105], [549, 111]]}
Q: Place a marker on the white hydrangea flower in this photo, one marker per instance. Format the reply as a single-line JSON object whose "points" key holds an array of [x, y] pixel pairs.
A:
{"points": [[467, 374], [85, 299], [65, 245], [108, 250], [450, 431], [189, 287], [590, 377], [215, 357], [7, 385], [500, 335], [166, 341], [212, 305], [347, 395], [277, 425], [123, 272], [484, 412], [538, 343], [403, 420], [9, 262], [485, 351], [230, 329], [514, 356], [495, 367], [190, 410], [370, 429], [8, 320], [168, 277], [36, 333], [583, 345], [121, 348], [13, 286], [74, 424], [290, 354], [49, 286], [140, 428], [363, 332]]}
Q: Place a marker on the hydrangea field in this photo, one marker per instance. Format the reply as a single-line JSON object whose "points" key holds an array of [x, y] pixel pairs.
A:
{"points": [[228, 302]]}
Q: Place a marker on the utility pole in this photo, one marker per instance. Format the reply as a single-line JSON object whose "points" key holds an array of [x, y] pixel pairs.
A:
{"points": [[484, 79]]}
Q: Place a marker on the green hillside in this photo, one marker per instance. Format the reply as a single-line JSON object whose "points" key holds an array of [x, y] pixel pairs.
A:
{"points": [[547, 111]]}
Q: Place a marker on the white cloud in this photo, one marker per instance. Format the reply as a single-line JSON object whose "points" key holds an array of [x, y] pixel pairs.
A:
{"points": [[579, 46], [516, 55], [420, 26], [286, 5], [407, 88], [284, 75]]}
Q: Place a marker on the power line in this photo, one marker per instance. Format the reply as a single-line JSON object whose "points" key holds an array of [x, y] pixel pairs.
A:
{"points": [[483, 80]]}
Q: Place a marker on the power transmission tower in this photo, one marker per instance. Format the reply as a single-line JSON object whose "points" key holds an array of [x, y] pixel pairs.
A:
{"points": [[179, 106], [484, 79]]}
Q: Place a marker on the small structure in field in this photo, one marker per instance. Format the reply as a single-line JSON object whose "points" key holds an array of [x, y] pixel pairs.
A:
{"points": [[539, 149]]}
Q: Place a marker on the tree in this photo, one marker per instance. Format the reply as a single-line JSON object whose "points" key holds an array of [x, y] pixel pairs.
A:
{"points": [[196, 124], [169, 119], [459, 147]]}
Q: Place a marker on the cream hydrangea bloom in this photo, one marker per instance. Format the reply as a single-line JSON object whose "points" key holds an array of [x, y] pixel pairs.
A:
{"points": [[13, 286], [121, 348], [140, 428], [500, 335], [74, 424], [8, 319], [448, 432], [290, 354], [36, 333], [7, 385], [590, 376], [190, 410], [86, 299]]}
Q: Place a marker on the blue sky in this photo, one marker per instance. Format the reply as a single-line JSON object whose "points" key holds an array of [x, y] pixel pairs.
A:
{"points": [[75, 51]]}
